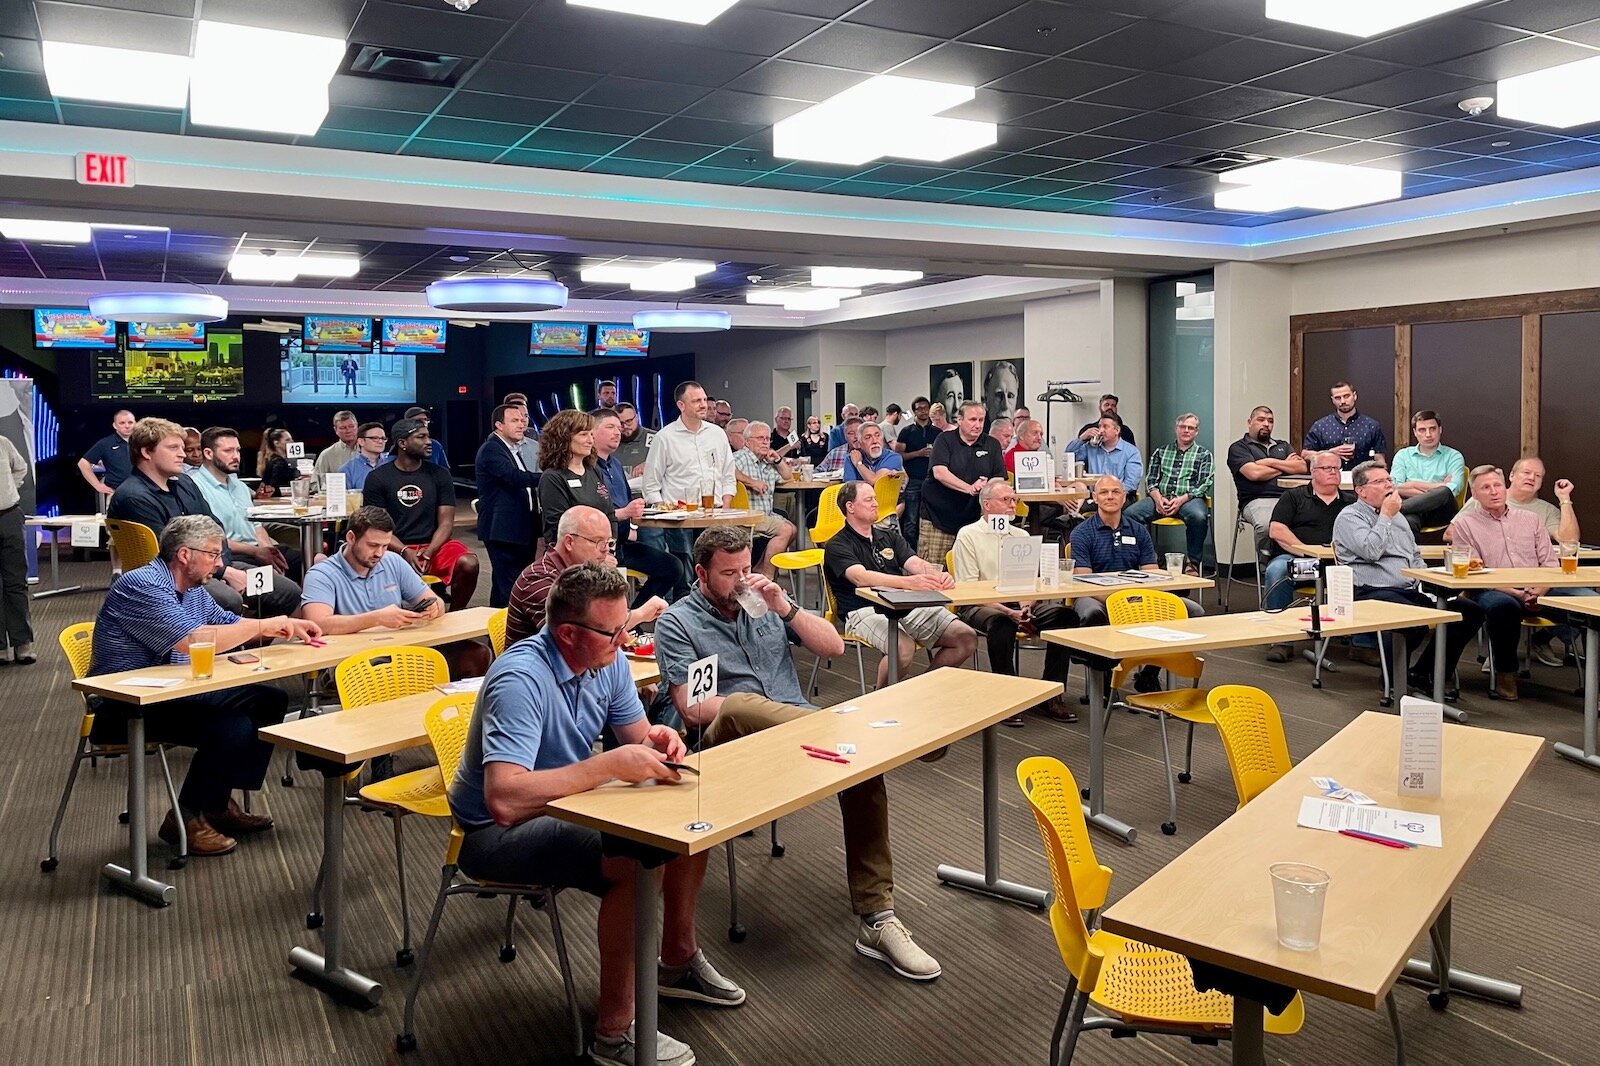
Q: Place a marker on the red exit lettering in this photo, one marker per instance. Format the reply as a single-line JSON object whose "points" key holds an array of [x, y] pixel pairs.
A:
{"points": [[99, 168]]}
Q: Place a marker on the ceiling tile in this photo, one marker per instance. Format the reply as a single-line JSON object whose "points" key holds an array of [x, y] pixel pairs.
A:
{"points": [[1151, 91], [1535, 16], [965, 64], [1235, 102], [1328, 74], [1063, 28], [945, 18], [1518, 57], [425, 29], [473, 131], [796, 81], [519, 79], [863, 48], [1243, 60], [1397, 90], [603, 120], [1062, 79], [1154, 45], [491, 108]]}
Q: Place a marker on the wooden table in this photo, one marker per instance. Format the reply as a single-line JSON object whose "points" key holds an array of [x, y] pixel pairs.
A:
{"points": [[277, 661], [1107, 645], [983, 593], [1057, 495], [702, 520], [1433, 553], [1213, 903], [1589, 608], [57, 523], [349, 737], [748, 782]]}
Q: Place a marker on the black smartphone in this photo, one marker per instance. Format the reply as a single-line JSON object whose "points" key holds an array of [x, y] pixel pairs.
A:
{"points": [[682, 768], [243, 658]]}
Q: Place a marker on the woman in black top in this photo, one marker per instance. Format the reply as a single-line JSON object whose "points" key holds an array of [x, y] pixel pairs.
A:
{"points": [[813, 446], [566, 455], [272, 463]]}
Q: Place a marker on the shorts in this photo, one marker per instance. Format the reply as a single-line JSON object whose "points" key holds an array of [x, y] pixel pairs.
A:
{"points": [[925, 625], [443, 563], [548, 851], [769, 526]]}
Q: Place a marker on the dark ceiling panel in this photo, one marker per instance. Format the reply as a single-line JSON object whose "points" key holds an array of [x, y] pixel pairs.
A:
{"points": [[944, 18]]}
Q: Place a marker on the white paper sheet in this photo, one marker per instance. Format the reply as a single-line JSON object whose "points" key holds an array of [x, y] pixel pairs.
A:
{"points": [[1421, 747], [145, 681], [1331, 816], [1158, 633]]}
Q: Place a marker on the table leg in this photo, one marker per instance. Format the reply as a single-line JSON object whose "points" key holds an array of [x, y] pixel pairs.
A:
{"points": [[892, 645], [56, 587], [1095, 809], [1441, 668], [310, 541], [1437, 972], [989, 882], [1249, 1032], [646, 957], [327, 970], [1591, 691], [135, 878]]}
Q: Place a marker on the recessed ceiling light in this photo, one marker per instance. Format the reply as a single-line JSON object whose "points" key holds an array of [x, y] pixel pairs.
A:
{"points": [[861, 277], [274, 81], [1361, 18], [460, 259], [1559, 97], [273, 267], [38, 229], [883, 116], [800, 299], [1499, 144], [675, 276], [698, 12], [116, 75], [1290, 183]]}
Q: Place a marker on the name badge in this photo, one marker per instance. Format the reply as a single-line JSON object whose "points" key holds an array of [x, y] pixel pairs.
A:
{"points": [[576, 483], [1129, 541]]}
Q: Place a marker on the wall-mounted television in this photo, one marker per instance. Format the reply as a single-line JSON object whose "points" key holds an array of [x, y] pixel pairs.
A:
{"points": [[168, 336], [347, 378], [216, 373], [413, 336], [559, 339], [57, 327], [337, 333], [621, 340]]}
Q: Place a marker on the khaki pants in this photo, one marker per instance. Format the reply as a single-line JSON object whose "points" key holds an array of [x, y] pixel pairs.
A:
{"points": [[868, 865]]}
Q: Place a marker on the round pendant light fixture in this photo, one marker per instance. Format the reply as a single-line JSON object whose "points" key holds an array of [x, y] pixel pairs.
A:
{"points": [[159, 307], [680, 320], [497, 295]]}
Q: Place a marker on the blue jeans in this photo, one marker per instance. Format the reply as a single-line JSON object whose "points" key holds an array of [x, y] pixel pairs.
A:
{"points": [[1278, 596], [911, 497], [1195, 521], [1503, 615]]}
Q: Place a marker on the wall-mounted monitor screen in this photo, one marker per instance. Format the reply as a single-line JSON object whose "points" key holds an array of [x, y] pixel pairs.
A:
{"points": [[172, 336], [559, 339], [413, 336], [347, 378], [621, 341], [216, 373], [337, 333], [55, 327]]}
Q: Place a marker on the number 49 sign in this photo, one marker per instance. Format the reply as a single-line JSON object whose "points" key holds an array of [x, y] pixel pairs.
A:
{"points": [[702, 679]]}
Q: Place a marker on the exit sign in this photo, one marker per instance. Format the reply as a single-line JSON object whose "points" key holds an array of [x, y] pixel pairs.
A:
{"points": [[97, 168]]}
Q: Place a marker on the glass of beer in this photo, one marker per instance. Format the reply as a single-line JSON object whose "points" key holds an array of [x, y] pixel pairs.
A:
{"points": [[202, 652], [1460, 560], [300, 493], [1569, 557]]}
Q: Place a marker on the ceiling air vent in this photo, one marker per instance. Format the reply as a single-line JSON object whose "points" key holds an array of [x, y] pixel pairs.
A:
{"points": [[1220, 162], [402, 64]]}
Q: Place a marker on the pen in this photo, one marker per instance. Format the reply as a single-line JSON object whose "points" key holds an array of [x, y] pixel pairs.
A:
{"points": [[1388, 842], [827, 755], [819, 751]]}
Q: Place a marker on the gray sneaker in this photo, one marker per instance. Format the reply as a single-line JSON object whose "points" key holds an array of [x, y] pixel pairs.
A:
{"points": [[889, 942], [699, 981], [621, 1051]]}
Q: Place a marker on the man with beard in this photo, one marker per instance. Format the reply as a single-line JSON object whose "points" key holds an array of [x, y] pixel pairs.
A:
{"points": [[1354, 437], [914, 445], [421, 498], [229, 499], [636, 439], [1257, 461], [873, 458]]}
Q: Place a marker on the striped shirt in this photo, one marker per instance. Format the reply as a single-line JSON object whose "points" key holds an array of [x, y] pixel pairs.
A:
{"points": [[1174, 473], [834, 460], [525, 613], [750, 465], [144, 616]]}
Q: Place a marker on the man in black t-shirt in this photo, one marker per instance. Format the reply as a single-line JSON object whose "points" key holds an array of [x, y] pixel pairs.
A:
{"points": [[914, 442], [421, 498], [1257, 461], [862, 555], [963, 460]]}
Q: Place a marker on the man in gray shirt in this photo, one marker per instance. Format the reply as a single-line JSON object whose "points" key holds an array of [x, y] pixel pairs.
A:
{"points": [[636, 440], [1372, 538]]}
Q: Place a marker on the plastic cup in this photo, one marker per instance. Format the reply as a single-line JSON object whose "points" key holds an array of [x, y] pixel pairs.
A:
{"points": [[1569, 558], [1460, 560], [1298, 894], [300, 493], [202, 653], [1175, 564], [751, 601]]}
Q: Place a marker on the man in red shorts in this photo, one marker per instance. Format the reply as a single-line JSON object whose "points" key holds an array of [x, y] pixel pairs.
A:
{"points": [[421, 498]]}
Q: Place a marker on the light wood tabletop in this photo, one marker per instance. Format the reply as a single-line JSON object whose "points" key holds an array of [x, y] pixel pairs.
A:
{"points": [[977, 593], [701, 520], [802, 486], [383, 728], [748, 782], [52, 521], [1214, 902], [1511, 577], [1056, 495], [283, 660]]}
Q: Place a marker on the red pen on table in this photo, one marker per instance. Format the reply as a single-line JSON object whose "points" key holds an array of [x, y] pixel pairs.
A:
{"points": [[1388, 842], [823, 753]]}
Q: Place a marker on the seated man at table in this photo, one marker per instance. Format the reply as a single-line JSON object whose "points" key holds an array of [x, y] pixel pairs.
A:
{"points": [[372, 442], [1371, 537], [1522, 493], [1302, 516], [583, 535], [838, 456], [976, 557], [864, 555], [532, 742], [1428, 475], [1107, 453], [148, 618], [421, 498], [873, 458], [757, 467], [757, 688], [218, 479], [1179, 482]]}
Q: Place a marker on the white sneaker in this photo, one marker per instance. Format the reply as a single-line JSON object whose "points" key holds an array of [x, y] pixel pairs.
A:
{"points": [[606, 1051], [889, 942]]}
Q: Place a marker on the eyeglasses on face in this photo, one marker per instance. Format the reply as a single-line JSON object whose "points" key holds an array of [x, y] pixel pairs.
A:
{"points": [[213, 553], [610, 543], [613, 636]]}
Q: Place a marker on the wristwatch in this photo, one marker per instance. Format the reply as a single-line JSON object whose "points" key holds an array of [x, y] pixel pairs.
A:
{"points": [[794, 609]]}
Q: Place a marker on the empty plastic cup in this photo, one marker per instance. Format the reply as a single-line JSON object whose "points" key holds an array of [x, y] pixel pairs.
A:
{"points": [[1298, 893], [1175, 564]]}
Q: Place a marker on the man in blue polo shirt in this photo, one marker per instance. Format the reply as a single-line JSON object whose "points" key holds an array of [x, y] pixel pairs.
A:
{"points": [[1107, 453], [873, 458], [365, 585]]}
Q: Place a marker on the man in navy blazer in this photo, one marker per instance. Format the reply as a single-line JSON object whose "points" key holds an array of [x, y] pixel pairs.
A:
{"points": [[506, 494]]}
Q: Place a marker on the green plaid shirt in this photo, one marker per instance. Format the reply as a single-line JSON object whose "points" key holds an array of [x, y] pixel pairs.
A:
{"points": [[1173, 473]]}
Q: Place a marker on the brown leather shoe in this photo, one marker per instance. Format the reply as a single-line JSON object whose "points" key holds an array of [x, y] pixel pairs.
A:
{"points": [[1505, 685], [237, 821], [203, 838], [1056, 708]]}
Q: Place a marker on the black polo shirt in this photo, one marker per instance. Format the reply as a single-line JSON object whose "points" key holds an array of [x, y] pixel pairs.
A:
{"points": [[1307, 517], [111, 452], [914, 438], [885, 552], [946, 508], [139, 499], [1248, 450]]}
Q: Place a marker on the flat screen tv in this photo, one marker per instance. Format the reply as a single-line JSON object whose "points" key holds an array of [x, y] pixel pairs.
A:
{"points": [[623, 340], [413, 336], [559, 339], [57, 327], [345, 378], [168, 336], [215, 373], [337, 333]]}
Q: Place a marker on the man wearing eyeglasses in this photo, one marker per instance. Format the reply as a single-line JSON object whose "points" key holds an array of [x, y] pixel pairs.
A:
{"points": [[1302, 516], [583, 535], [372, 443]]}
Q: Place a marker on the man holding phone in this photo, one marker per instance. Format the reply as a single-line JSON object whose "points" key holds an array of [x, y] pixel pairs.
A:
{"points": [[365, 585]]}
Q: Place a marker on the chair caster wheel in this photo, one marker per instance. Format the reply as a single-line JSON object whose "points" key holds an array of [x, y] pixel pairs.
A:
{"points": [[778, 850], [286, 781], [47, 865], [536, 902], [314, 920], [1386, 702], [1169, 828], [736, 933], [1316, 682], [508, 953], [1438, 1000], [1185, 777], [1083, 792], [405, 1042], [123, 817], [177, 863], [404, 957]]}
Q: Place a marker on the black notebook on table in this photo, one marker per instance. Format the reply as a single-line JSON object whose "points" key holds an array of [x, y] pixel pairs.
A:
{"points": [[907, 599]]}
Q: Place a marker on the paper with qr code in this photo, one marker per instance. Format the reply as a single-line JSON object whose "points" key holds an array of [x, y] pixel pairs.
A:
{"points": [[1421, 747]]}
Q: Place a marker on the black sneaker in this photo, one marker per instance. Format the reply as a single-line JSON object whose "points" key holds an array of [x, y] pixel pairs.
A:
{"points": [[1148, 679], [699, 981]]}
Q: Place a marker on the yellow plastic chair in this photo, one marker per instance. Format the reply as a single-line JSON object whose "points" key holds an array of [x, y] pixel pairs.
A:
{"points": [[1140, 988], [77, 641], [375, 676], [796, 563], [741, 496], [1461, 500], [447, 723], [831, 613], [887, 490], [829, 518], [497, 631], [1139, 606], [136, 544], [1174, 520]]}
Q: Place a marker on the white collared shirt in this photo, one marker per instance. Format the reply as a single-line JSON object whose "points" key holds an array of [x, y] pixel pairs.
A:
{"points": [[681, 461]]}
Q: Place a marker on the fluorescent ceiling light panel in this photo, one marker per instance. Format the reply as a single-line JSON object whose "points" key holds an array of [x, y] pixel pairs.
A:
{"points": [[1360, 18], [861, 277], [883, 116], [247, 266], [1283, 184], [1558, 97], [269, 80], [800, 299], [116, 75], [675, 276], [698, 12], [37, 229]]}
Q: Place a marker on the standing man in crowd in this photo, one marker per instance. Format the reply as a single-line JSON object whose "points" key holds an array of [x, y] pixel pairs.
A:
{"points": [[635, 446], [331, 460], [784, 437], [663, 575], [16, 618], [1428, 476], [688, 457], [1356, 438], [111, 453], [421, 499], [722, 414], [372, 451], [607, 394], [1108, 407], [846, 413], [506, 501], [1179, 482], [962, 461], [1257, 461], [890, 423], [435, 447], [914, 443]]}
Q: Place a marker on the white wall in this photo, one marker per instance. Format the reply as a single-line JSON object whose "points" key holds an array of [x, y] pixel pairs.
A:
{"points": [[743, 364], [908, 352]]}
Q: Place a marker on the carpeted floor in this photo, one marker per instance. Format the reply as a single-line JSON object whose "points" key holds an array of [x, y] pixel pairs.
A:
{"points": [[97, 977]]}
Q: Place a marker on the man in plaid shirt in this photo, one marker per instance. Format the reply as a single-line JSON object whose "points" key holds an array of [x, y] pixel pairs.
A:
{"points": [[1179, 480]]}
